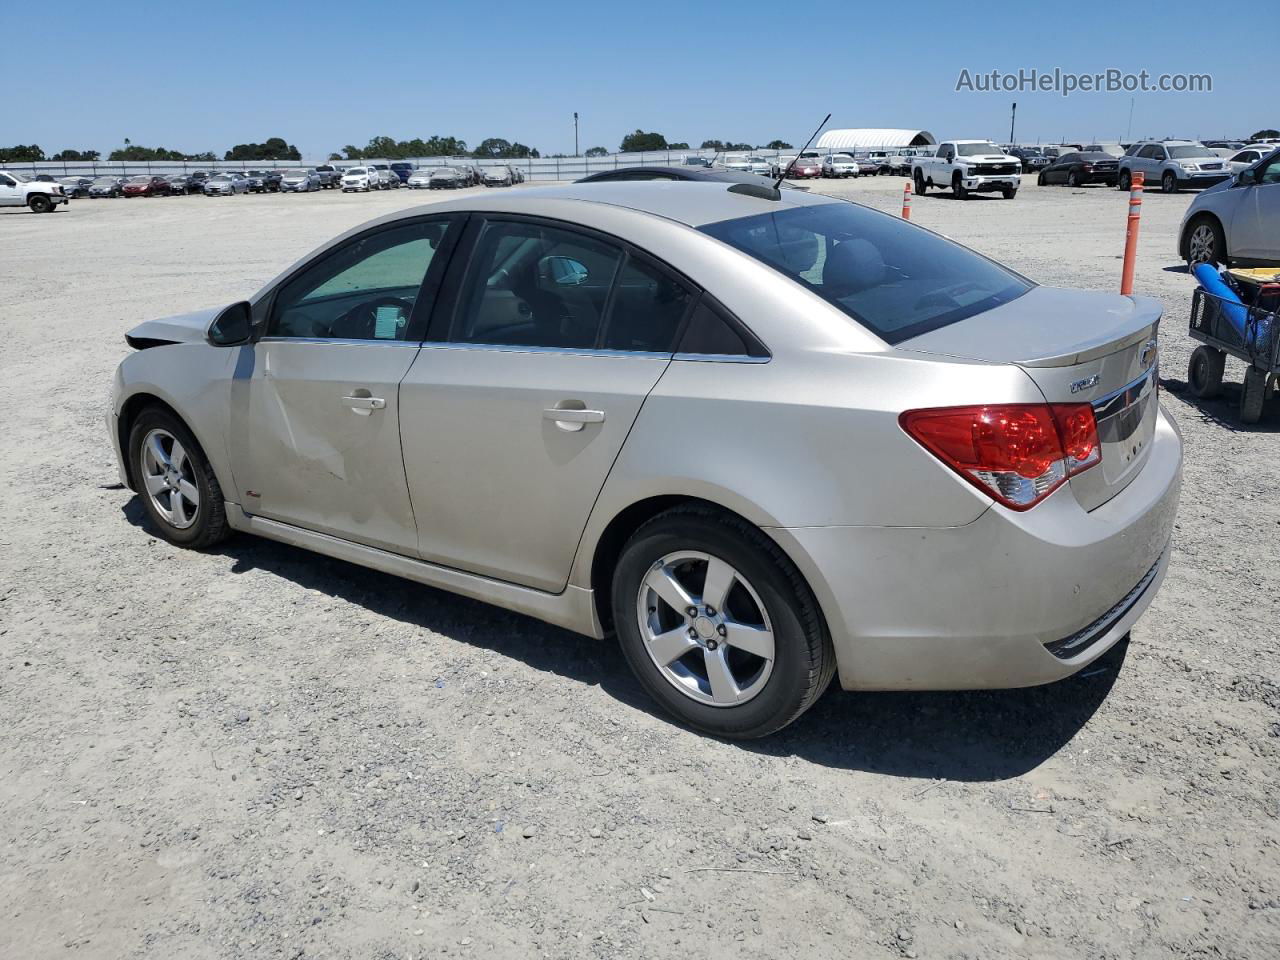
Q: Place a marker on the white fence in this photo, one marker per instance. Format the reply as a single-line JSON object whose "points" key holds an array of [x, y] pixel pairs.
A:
{"points": [[543, 168]]}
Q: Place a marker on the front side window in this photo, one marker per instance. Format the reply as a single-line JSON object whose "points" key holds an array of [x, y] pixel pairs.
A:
{"points": [[366, 290], [1270, 173], [895, 279], [537, 286]]}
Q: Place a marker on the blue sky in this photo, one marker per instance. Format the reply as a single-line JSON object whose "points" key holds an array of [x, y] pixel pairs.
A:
{"points": [[323, 75]]}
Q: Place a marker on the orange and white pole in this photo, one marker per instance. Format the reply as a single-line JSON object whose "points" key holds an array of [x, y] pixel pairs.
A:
{"points": [[906, 200], [1131, 234]]}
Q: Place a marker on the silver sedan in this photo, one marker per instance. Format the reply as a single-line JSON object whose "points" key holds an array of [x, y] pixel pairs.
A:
{"points": [[762, 437]]}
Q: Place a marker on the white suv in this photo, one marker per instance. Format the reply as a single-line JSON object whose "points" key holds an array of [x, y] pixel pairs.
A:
{"points": [[1174, 164], [1236, 223]]}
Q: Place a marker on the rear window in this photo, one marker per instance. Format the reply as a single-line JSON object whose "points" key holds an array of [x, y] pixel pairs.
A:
{"points": [[897, 280]]}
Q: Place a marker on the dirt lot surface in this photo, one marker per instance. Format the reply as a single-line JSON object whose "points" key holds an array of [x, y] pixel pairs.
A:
{"points": [[258, 752]]}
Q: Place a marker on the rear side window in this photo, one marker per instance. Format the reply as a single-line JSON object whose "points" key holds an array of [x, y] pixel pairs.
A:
{"points": [[648, 307], [895, 279], [536, 286], [711, 333]]}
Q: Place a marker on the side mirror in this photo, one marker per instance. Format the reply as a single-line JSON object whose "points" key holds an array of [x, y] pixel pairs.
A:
{"points": [[564, 271], [233, 326], [1245, 178]]}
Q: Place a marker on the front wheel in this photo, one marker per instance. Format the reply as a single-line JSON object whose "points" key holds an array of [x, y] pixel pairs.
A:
{"points": [[1206, 243], [178, 488], [1040, 180], [1168, 183], [40, 203], [1125, 181], [1204, 372], [1009, 192], [958, 189], [718, 625]]}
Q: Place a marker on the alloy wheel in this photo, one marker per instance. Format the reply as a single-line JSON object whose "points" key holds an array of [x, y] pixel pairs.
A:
{"points": [[705, 628], [1200, 248], [169, 478]]}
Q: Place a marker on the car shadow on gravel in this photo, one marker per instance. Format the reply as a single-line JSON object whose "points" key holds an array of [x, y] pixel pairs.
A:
{"points": [[964, 735], [1223, 410]]}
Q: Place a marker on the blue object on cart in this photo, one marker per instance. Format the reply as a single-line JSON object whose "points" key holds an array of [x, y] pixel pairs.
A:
{"points": [[1232, 306]]}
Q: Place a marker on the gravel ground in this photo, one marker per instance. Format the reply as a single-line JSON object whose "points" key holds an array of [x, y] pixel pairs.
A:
{"points": [[258, 752]]}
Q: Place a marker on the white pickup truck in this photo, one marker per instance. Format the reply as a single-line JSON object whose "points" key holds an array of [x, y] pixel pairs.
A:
{"points": [[19, 190], [968, 166]]}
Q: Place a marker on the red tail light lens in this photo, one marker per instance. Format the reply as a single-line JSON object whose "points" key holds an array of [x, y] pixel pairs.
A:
{"points": [[1018, 453]]}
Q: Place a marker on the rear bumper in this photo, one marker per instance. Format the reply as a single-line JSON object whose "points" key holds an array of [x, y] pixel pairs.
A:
{"points": [[985, 605]]}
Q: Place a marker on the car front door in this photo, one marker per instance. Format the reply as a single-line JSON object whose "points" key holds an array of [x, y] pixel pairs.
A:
{"points": [[1255, 226], [515, 410], [315, 401], [10, 195]]}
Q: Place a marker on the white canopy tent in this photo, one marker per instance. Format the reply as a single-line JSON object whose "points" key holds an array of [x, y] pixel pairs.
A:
{"points": [[872, 138]]}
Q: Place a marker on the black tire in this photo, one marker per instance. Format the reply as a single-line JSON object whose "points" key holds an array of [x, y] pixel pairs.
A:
{"points": [[1204, 372], [1168, 182], [39, 203], [1125, 182], [804, 659], [957, 188], [1253, 395], [210, 525], [1009, 192], [1040, 180], [1217, 252], [921, 186], [1073, 179]]}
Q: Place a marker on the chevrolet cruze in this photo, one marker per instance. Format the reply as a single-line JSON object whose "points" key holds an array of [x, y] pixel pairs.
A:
{"points": [[762, 437]]}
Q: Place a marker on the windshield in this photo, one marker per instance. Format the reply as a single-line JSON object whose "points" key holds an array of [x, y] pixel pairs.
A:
{"points": [[976, 149], [446, 172], [896, 280], [1188, 150], [221, 178], [357, 172], [104, 181], [139, 179]]}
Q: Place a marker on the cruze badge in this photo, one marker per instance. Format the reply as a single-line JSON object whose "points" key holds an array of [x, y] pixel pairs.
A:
{"points": [[1085, 384]]}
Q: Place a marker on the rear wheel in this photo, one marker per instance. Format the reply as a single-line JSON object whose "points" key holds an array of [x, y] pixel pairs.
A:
{"points": [[718, 625], [175, 481], [1253, 394], [921, 186], [1073, 179], [1204, 373]]}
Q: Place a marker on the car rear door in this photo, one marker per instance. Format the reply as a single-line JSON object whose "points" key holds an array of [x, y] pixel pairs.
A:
{"points": [[544, 350], [10, 195], [315, 402]]}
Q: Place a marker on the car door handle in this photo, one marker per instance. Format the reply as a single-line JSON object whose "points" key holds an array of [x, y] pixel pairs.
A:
{"points": [[361, 404], [567, 418]]}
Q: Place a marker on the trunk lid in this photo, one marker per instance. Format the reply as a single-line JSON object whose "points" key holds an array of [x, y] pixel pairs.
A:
{"points": [[1078, 346]]}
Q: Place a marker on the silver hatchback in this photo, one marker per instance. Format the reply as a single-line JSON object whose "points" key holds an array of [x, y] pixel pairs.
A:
{"points": [[763, 437]]}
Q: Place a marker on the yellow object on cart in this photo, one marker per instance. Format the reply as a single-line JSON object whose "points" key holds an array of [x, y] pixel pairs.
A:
{"points": [[1256, 275]]}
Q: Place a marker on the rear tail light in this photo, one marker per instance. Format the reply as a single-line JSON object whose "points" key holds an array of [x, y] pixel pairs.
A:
{"points": [[1018, 453]]}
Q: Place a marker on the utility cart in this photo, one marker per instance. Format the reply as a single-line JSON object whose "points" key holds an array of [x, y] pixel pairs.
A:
{"points": [[1246, 326]]}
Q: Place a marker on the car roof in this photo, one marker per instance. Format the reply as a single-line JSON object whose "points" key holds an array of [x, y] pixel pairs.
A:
{"points": [[712, 174], [691, 204]]}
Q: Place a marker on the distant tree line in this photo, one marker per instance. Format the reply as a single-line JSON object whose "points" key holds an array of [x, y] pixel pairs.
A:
{"points": [[388, 148], [274, 149], [640, 141]]}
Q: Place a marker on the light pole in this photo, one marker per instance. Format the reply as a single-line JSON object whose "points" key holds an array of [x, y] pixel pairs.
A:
{"points": [[575, 133], [1012, 119]]}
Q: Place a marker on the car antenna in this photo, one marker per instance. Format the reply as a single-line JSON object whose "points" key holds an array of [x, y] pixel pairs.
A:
{"points": [[778, 183]]}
